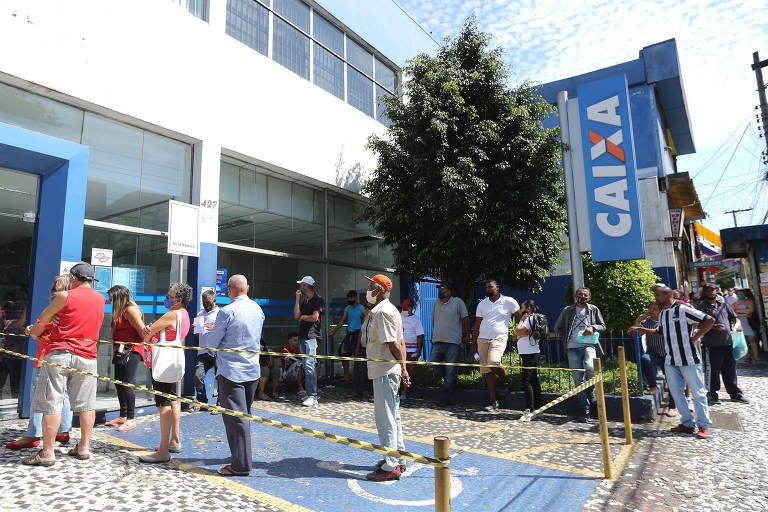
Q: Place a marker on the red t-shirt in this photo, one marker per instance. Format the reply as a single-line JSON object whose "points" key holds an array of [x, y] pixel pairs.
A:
{"points": [[42, 344], [79, 323], [122, 330], [287, 350]]}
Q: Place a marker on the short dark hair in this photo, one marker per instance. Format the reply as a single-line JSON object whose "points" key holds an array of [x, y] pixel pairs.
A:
{"points": [[293, 334], [529, 303], [352, 293], [585, 289], [209, 294], [494, 281]]}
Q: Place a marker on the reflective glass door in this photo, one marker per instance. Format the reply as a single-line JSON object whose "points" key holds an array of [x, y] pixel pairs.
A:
{"points": [[18, 218]]}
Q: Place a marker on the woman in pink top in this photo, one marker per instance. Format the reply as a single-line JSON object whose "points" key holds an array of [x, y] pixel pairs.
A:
{"points": [[177, 298]]}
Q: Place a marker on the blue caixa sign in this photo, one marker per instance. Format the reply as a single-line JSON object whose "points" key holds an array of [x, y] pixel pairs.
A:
{"points": [[615, 223]]}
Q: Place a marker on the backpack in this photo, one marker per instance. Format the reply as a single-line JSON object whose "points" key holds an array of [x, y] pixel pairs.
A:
{"points": [[539, 328]]}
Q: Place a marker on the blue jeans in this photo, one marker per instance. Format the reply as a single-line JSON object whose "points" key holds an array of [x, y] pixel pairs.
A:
{"points": [[309, 347], [651, 363], [446, 353], [35, 428], [386, 409], [582, 357], [677, 378]]}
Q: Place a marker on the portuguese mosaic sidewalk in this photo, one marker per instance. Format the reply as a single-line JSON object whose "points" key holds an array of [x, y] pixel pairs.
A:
{"points": [[662, 471]]}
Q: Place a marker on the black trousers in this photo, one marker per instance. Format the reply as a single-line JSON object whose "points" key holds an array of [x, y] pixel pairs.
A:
{"points": [[238, 396], [125, 395], [721, 362], [204, 363], [530, 381], [361, 377]]}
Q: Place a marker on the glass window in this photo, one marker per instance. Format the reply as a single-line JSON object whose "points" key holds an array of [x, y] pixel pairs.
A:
{"points": [[381, 92], [258, 209], [350, 239], [26, 110], [359, 91], [329, 71], [325, 32], [143, 265], [291, 48], [359, 57], [248, 22], [132, 173], [386, 76], [295, 11], [199, 8]]}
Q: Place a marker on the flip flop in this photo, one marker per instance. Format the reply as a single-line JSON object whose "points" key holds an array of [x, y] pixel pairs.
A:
{"points": [[228, 471], [13, 445], [73, 453], [114, 422], [37, 461], [126, 427]]}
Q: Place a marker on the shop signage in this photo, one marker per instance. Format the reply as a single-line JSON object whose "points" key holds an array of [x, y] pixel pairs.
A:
{"points": [[676, 218], [101, 257], [183, 229], [610, 174]]}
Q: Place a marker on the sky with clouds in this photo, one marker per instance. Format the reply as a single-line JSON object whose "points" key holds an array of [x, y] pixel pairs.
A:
{"points": [[549, 40]]}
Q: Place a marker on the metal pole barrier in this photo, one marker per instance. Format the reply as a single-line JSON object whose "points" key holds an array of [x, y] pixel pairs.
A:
{"points": [[607, 467], [625, 397], [442, 476]]}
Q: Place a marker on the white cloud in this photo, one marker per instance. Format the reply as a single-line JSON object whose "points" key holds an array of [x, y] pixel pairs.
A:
{"points": [[550, 40]]}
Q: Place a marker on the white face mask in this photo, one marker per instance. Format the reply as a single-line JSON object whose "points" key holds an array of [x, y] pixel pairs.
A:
{"points": [[369, 295]]}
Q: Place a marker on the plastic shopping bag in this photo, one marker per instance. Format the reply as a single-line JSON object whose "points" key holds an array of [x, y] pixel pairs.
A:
{"points": [[739, 345]]}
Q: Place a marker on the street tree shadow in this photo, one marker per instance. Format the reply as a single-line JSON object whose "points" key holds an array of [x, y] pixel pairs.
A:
{"points": [[296, 467]]}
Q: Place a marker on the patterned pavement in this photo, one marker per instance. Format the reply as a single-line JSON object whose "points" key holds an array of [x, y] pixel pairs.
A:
{"points": [[661, 471]]}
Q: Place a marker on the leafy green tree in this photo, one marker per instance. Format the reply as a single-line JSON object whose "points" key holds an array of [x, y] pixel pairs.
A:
{"points": [[468, 182], [621, 289]]}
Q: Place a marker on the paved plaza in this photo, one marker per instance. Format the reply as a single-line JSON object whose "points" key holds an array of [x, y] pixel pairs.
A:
{"points": [[548, 464]]}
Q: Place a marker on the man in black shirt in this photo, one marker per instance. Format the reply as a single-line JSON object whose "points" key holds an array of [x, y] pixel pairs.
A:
{"points": [[307, 310], [719, 344]]}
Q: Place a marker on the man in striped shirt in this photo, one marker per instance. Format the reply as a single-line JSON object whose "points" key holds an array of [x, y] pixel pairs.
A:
{"points": [[683, 362]]}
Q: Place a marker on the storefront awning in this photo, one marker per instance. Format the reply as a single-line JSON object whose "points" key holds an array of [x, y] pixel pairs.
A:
{"points": [[682, 194], [735, 239]]}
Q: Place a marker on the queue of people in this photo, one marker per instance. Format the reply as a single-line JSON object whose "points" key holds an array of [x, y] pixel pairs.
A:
{"points": [[674, 332]]}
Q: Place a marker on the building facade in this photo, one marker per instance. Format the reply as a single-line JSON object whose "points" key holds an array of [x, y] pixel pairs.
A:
{"points": [[662, 131], [256, 111]]}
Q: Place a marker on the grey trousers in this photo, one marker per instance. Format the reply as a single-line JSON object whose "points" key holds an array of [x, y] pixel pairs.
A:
{"points": [[386, 410], [238, 396]]}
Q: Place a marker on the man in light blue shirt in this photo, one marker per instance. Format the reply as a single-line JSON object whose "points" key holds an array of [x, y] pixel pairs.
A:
{"points": [[238, 326], [206, 359]]}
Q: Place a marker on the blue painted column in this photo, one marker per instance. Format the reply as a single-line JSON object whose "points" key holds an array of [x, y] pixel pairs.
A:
{"points": [[63, 168]]}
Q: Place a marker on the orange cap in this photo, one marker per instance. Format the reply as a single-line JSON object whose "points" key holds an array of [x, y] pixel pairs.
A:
{"points": [[382, 280]]}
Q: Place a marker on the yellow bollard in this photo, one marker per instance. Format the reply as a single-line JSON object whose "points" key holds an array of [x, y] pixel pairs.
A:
{"points": [[442, 476], [607, 467], [625, 397]]}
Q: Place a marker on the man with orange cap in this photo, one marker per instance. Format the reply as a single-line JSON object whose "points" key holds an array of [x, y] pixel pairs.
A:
{"points": [[383, 329]]}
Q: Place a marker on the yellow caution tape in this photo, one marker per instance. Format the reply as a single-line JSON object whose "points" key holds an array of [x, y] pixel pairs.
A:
{"points": [[529, 416], [316, 356], [355, 443]]}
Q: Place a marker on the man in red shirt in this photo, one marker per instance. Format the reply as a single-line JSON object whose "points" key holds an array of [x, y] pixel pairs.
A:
{"points": [[72, 343]]}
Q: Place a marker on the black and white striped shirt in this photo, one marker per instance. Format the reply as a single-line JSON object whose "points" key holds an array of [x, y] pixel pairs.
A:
{"points": [[675, 324]]}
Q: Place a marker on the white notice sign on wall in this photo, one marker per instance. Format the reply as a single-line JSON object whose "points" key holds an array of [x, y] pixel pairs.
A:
{"points": [[183, 229], [101, 257]]}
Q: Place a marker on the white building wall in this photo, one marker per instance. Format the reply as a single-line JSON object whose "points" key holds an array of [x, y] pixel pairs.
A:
{"points": [[161, 68]]}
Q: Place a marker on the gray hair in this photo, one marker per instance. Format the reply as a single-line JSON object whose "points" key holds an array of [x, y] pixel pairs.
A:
{"points": [[209, 294], [181, 292], [384, 292]]}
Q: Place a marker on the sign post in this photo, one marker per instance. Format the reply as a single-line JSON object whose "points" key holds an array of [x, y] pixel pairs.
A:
{"points": [[183, 229]]}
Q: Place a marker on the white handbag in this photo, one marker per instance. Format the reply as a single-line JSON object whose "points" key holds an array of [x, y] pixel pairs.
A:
{"points": [[168, 363]]}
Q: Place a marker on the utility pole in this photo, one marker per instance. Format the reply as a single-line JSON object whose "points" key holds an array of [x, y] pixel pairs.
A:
{"points": [[757, 67], [734, 212]]}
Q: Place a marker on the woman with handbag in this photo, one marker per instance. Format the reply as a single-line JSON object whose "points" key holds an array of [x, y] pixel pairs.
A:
{"points": [[168, 367], [127, 326]]}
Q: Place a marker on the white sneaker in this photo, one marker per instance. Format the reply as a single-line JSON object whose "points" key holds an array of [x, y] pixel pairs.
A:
{"points": [[310, 401]]}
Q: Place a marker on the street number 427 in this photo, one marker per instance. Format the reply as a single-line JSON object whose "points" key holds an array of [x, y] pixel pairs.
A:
{"points": [[208, 203]]}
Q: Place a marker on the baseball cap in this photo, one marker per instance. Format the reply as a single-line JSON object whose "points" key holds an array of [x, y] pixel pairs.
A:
{"points": [[83, 272], [445, 284], [382, 280], [406, 303], [661, 286], [710, 285], [307, 280]]}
